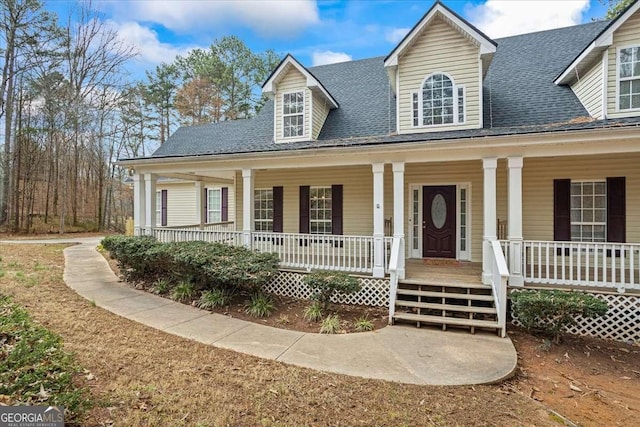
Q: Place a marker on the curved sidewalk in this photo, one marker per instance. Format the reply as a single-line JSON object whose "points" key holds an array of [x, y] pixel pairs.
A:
{"points": [[397, 353]]}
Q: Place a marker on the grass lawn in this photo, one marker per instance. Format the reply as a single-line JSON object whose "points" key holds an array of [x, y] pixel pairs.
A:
{"points": [[145, 377]]}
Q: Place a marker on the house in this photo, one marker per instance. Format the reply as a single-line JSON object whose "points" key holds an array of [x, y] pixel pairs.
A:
{"points": [[442, 173]]}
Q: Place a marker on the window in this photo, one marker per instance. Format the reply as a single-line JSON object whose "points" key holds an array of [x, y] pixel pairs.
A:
{"points": [[293, 114], [629, 77], [589, 211], [320, 210], [263, 209], [439, 102], [214, 205]]}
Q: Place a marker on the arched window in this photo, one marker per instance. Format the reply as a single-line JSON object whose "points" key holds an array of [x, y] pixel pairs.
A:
{"points": [[439, 102]]}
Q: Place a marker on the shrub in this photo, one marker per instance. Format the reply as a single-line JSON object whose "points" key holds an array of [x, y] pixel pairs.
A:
{"points": [[260, 305], [206, 265], [213, 298], [313, 313], [324, 284], [362, 324], [134, 255], [161, 286], [549, 311], [183, 292], [330, 325]]}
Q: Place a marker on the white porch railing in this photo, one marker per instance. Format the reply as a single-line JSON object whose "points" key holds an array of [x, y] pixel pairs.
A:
{"points": [[395, 262], [499, 277], [213, 226], [353, 254], [605, 265], [233, 238]]}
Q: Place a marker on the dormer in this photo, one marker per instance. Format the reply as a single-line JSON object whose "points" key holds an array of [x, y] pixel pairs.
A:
{"points": [[606, 75], [301, 102], [436, 73]]}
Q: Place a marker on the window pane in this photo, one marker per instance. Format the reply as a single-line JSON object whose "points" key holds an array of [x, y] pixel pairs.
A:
{"points": [[625, 102], [625, 87], [625, 70]]}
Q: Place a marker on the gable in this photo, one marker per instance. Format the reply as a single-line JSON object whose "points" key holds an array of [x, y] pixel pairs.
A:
{"points": [[628, 35], [439, 48]]}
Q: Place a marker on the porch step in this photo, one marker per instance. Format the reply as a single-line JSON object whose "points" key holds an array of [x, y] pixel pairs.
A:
{"points": [[443, 320], [445, 283], [451, 295], [446, 307]]}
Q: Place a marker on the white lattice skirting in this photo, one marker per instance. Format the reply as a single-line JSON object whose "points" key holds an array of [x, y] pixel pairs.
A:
{"points": [[621, 323], [375, 292]]}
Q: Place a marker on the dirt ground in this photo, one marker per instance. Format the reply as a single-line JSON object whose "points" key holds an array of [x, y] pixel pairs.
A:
{"points": [[144, 377]]}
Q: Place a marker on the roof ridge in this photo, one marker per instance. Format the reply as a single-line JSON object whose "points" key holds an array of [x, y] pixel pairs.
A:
{"points": [[585, 24]]}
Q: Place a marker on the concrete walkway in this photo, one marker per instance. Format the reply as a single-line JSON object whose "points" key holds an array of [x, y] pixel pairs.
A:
{"points": [[395, 353]]}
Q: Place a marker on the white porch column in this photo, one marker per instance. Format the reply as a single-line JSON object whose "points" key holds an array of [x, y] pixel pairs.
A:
{"points": [[515, 221], [247, 206], [200, 197], [398, 211], [138, 204], [378, 219], [150, 204], [489, 231]]}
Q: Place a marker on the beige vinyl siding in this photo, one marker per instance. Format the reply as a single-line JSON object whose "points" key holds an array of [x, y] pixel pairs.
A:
{"points": [[440, 48], [450, 174], [320, 112], [181, 201], [589, 90], [293, 81], [627, 35], [538, 175], [357, 184]]}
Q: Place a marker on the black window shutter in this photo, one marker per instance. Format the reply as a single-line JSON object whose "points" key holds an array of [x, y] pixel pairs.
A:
{"points": [[205, 214], [616, 210], [224, 215], [163, 208], [304, 209], [336, 209], [277, 209], [561, 209]]}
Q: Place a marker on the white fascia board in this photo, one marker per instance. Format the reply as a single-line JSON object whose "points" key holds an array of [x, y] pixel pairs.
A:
{"points": [[269, 88], [601, 42], [486, 46]]}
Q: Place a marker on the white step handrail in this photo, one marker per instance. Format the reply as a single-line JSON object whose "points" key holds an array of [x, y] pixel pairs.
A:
{"points": [[394, 264], [499, 277]]}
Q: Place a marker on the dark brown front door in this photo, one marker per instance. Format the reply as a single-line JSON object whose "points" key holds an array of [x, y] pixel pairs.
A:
{"points": [[439, 221]]}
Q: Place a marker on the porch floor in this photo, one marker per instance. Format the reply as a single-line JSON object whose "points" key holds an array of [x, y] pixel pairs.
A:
{"points": [[443, 271]]}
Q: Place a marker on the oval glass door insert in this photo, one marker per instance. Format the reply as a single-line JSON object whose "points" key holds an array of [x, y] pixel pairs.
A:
{"points": [[438, 211]]}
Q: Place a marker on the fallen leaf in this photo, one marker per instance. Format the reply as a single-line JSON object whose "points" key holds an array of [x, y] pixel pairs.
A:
{"points": [[43, 394], [575, 388]]}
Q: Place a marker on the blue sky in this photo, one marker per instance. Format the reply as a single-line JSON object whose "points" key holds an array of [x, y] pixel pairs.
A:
{"points": [[315, 32]]}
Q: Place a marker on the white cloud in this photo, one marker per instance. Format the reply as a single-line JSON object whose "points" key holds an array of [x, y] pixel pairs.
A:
{"points": [[329, 57], [266, 17], [146, 44], [500, 18], [394, 35]]}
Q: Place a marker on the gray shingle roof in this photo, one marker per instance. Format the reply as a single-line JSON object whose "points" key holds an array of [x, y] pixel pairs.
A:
{"points": [[519, 97]]}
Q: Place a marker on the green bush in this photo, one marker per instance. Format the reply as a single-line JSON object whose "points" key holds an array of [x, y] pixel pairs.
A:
{"points": [[362, 324], [133, 255], [206, 265], [313, 313], [549, 311], [330, 325], [213, 298], [183, 292], [260, 305], [325, 284]]}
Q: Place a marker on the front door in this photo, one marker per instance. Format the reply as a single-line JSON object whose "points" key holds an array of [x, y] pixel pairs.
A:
{"points": [[439, 221]]}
